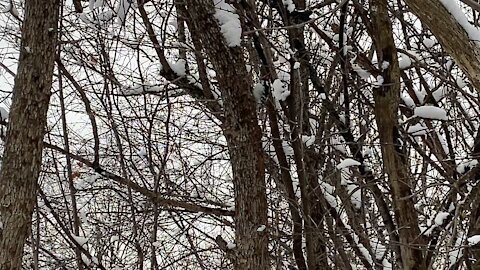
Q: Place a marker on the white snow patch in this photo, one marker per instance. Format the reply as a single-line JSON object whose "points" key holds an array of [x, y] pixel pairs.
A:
{"points": [[431, 112], [365, 252], [454, 9], [460, 82], [173, 24], [217, 95], [195, 81], [86, 260], [80, 240], [142, 152], [258, 92], [417, 130], [464, 166], [231, 245], [280, 91], [379, 81], [379, 249], [326, 187], [296, 65], [287, 149], [289, 5], [11, 8], [404, 61], [229, 23], [308, 140], [82, 215], [386, 264], [141, 88], [348, 162], [261, 228], [14, 11], [473, 240], [327, 191], [440, 218], [426, 230], [428, 42], [179, 67], [385, 65]]}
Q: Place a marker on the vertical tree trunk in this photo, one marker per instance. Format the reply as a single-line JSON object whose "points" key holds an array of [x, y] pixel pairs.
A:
{"points": [[23, 145], [243, 136], [451, 35], [387, 98]]}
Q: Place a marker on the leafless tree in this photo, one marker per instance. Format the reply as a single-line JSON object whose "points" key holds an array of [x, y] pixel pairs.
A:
{"points": [[22, 155]]}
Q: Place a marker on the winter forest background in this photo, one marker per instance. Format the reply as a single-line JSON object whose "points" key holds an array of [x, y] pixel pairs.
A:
{"points": [[241, 134]]}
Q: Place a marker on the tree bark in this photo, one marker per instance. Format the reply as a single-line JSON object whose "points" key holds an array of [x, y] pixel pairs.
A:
{"points": [[26, 128], [387, 99], [243, 136], [451, 35]]}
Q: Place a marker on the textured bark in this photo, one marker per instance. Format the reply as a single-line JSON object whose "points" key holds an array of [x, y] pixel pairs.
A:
{"points": [[263, 58], [243, 136], [306, 161], [386, 109], [23, 145], [307, 167], [451, 35]]}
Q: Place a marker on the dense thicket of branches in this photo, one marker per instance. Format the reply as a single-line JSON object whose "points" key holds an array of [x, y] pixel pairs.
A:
{"points": [[322, 135]]}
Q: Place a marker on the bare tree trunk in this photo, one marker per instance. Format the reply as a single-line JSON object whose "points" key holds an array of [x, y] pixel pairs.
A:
{"points": [[24, 141], [387, 98], [243, 136], [451, 35]]}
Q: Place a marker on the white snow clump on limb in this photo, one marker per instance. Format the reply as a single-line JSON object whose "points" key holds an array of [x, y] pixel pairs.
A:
{"points": [[473, 240], [289, 5], [229, 23], [280, 91], [431, 112], [441, 217], [454, 9], [80, 240], [404, 61], [348, 162], [179, 67]]}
